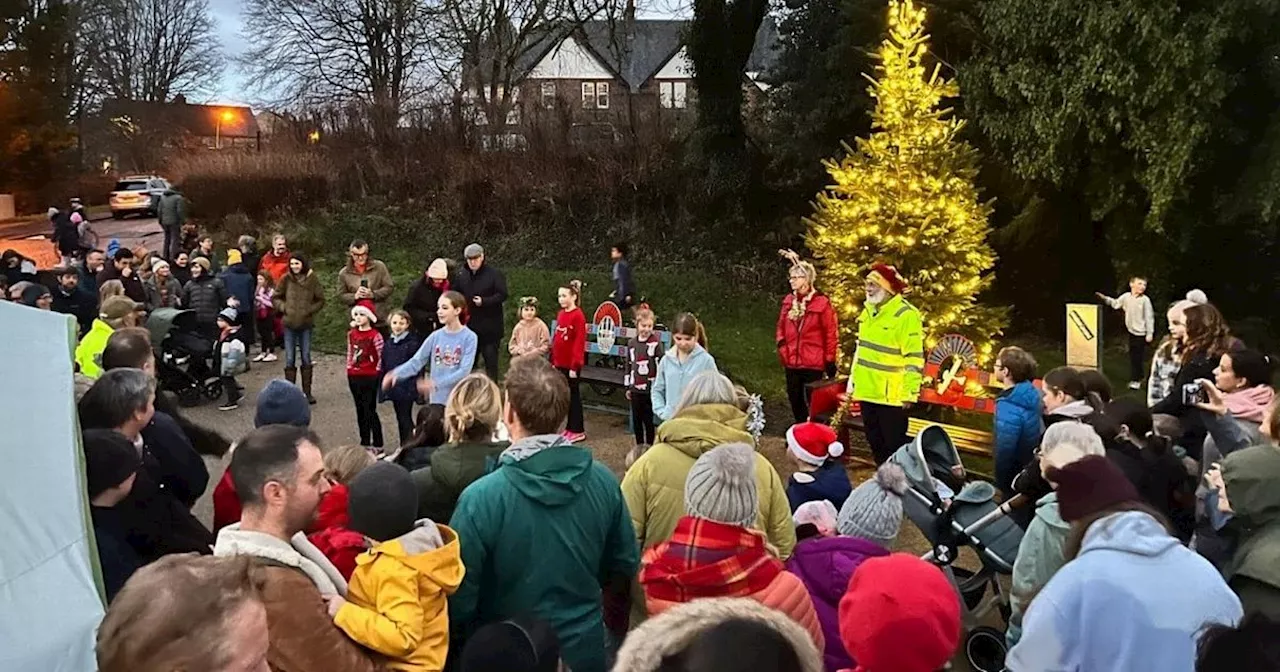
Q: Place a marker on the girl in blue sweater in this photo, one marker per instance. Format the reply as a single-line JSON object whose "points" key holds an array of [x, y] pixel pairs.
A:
{"points": [[450, 351], [687, 359], [397, 350]]}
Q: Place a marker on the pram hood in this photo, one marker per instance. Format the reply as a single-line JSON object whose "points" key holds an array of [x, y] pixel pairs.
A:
{"points": [[931, 453], [163, 320]]}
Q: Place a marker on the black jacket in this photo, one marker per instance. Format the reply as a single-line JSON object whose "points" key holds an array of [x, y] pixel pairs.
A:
{"points": [[133, 287], [79, 303], [116, 557], [207, 296], [1193, 429], [421, 303], [204, 441], [490, 285], [157, 512], [240, 282]]}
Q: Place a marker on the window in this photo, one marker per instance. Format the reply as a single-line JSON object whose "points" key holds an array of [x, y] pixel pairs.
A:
{"points": [[549, 95], [513, 114], [674, 95], [595, 95]]}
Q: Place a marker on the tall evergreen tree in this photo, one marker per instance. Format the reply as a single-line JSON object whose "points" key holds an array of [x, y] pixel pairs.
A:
{"points": [[905, 196]]}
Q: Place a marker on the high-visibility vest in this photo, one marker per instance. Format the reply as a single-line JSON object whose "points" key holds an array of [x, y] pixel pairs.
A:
{"points": [[888, 365]]}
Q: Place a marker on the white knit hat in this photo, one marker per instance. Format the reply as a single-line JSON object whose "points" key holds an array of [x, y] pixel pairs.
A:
{"points": [[721, 485]]}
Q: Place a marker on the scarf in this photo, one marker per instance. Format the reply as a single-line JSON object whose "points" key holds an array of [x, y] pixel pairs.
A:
{"points": [[800, 305], [1250, 404], [705, 558], [531, 445], [297, 553]]}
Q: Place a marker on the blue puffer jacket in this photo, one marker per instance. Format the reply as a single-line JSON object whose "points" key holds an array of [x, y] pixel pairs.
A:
{"points": [[395, 353], [1018, 430]]}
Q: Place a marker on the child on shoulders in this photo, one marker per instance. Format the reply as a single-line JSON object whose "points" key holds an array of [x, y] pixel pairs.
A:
{"points": [[813, 448]]}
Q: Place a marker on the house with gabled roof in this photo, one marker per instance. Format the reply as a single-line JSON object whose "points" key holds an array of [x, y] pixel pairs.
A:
{"points": [[604, 79]]}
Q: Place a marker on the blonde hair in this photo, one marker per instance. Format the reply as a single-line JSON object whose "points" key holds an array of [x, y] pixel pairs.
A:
{"points": [[109, 289], [643, 313], [708, 387], [342, 464], [473, 409]]}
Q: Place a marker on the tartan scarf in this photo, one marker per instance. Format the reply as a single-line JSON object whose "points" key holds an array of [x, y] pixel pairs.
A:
{"points": [[705, 558]]}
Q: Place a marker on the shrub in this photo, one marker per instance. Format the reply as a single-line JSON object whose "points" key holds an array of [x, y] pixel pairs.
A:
{"points": [[254, 184]]}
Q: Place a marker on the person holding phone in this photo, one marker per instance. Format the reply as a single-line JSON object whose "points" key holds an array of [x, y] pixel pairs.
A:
{"points": [[365, 279]]}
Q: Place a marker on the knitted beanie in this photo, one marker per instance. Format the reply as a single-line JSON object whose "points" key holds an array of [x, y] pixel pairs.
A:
{"points": [[234, 257], [438, 270], [721, 485], [109, 459], [231, 315], [202, 263], [282, 403], [1090, 485], [900, 614], [157, 264], [873, 510], [382, 501], [525, 644]]}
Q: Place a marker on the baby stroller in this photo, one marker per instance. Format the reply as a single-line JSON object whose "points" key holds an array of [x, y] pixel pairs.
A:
{"points": [[972, 518], [178, 340]]}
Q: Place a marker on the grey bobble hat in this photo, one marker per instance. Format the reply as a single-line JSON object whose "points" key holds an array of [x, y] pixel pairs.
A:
{"points": [[382, 501], [873, 510], [721, 485]]}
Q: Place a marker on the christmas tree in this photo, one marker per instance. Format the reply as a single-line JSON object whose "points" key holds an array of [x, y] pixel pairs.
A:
{"points": [[905, 196]]}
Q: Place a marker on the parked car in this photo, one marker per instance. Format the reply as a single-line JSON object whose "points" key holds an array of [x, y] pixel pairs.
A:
{"points": [[137, 195]]}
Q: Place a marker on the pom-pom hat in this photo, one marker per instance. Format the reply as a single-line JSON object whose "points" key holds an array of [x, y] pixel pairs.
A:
{"points": [[362, 309], [812, 443], [888, 277]]}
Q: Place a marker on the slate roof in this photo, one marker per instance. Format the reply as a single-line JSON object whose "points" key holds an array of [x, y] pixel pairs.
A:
{"points": [[652, 43], [198, 120]]}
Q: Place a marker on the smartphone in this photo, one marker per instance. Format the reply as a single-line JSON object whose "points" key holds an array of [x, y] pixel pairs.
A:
{"points": [[364, 282]]}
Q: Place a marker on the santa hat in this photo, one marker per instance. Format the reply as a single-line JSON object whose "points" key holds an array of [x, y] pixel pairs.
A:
{"points": [[887, 276], [363, 309], [812, 443]]}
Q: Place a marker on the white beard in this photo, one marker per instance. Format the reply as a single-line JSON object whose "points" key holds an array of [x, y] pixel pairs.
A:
{"points": [[877, 298]]}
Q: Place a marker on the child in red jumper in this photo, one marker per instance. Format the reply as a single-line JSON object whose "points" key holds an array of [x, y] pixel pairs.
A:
{"points": [[569, 354], [364, 356]]}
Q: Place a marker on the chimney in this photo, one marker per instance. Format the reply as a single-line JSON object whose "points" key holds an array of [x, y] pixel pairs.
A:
{"points": [[180, 99], [629, 17]]}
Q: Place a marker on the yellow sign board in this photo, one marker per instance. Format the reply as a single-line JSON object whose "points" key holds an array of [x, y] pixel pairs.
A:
{"points": [[1084, 335]]}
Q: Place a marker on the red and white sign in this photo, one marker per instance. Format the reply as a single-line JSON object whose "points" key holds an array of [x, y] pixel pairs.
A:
{"points": [[608, 321]]}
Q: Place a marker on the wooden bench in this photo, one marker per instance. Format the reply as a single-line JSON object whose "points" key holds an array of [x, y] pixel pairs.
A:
{"points": [[606, 368]]}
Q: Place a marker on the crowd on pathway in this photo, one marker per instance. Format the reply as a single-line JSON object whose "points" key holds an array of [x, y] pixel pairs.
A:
{"points": [[492, 539]]}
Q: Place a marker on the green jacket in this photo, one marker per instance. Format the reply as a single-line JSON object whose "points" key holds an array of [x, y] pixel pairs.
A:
{"points": [[541, 536], [89, 350], [1040, 556], [654, 485], [172, 210], [453, 468], [1250, 478], [888, 366], [299, 301]]}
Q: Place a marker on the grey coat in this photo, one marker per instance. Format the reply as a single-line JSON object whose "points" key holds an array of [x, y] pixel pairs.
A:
{"points": [[172, 210]]}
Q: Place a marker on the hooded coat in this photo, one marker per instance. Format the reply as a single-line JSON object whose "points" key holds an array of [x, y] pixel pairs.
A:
{"points": [[672, 377], [397, 599], [1250, 478], [825, 565], [1018, 426], [1133, 599], [654, 485], [241, 283], [453, 467], [1040, 555], [299, 298], [541, 535]]}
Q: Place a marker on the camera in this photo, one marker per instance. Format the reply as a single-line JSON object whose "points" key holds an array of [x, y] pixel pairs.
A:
{"points": [[1193, 393]]}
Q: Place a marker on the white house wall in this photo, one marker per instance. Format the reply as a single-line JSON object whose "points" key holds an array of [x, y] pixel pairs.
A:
{"points": [[676, 68], [569, 60]]}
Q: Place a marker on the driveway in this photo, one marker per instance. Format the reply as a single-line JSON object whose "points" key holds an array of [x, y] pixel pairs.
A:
{"points": [[31, 238]]}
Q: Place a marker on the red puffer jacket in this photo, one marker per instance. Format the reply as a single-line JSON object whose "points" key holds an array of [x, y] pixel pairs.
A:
{"points": [[810, 342]]}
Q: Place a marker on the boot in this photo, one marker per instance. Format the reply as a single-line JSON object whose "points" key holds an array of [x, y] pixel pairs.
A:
{"points": [[306, 384], [291, 374]]}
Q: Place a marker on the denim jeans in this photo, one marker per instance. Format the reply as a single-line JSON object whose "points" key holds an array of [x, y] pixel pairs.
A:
{"points": [[294, 338]]}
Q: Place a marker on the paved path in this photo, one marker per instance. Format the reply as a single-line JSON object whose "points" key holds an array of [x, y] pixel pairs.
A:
{"points": [[30, 238]]}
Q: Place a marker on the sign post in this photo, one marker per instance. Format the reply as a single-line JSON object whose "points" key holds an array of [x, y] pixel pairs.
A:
{"points": [[1084, 335]]}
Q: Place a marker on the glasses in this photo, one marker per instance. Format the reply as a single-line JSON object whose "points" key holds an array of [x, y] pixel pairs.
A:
{"points": [[799, 276], [359, 255]]}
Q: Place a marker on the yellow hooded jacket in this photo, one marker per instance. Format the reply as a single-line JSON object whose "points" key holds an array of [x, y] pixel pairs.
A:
{"points": [[397, 599]]}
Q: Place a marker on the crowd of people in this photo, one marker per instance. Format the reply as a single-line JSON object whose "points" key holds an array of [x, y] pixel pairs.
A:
{"points": [[492, 539]]}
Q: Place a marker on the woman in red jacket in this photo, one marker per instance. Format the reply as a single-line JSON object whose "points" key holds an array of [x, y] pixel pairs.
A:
{"points": [[569, 353], [807, 335]]}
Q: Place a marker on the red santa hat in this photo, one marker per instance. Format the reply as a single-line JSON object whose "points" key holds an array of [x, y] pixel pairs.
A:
{"points": [[812, 443], [364, 307], [888, 277]]}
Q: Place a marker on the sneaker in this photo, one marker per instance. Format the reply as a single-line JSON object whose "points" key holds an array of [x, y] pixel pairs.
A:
{"points": [[575, 437], [1135, 385], [229, 406], [261, 356], [270, 357]]}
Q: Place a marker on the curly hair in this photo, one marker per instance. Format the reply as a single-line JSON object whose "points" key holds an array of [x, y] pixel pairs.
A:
{"points": [[1207, 333]]}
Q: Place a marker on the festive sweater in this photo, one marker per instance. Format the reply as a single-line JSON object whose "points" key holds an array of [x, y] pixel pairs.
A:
{"points": [[643, 357], [451, 354], [530, 337], [364, 353], [569, 346]]}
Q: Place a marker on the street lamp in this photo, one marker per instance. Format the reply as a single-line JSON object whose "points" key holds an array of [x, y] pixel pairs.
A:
{"points": [[313, 137], [226, 116]]}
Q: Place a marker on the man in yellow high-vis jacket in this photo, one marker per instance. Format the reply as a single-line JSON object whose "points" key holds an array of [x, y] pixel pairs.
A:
{"points": [[888, 366]]}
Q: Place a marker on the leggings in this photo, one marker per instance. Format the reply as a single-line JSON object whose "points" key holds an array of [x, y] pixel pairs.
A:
{"points": [[364, 391], [642, 417], [576, 422]]}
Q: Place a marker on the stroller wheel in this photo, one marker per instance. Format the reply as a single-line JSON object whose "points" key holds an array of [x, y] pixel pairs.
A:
{"points": [[212, 389], [985, 649], [973, 590]]}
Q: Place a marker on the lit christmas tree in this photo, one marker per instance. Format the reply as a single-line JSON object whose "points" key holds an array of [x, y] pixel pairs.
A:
{"points": [[905, 196]]}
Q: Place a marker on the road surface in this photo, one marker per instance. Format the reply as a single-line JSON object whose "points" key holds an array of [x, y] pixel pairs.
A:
{"points": [[31, 238]]}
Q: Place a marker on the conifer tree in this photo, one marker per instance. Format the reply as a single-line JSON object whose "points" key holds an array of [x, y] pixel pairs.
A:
{"points": [[905, 196]]}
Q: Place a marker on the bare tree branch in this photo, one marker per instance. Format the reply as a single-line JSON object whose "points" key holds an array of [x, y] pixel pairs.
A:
{"points": [[151, 50]]}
